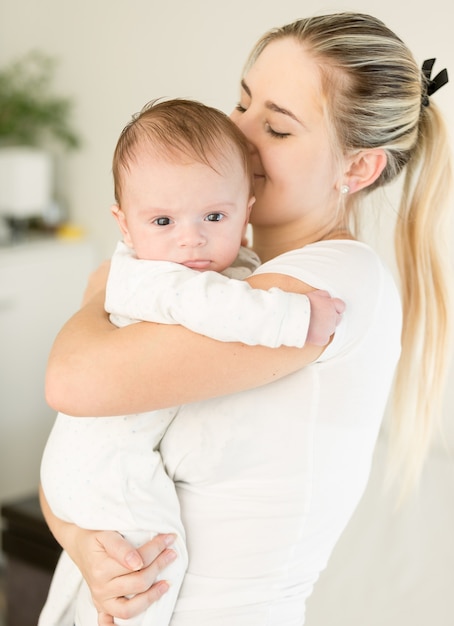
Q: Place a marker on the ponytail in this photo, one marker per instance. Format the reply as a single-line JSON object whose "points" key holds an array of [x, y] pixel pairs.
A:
{"points": [[421, 242]]}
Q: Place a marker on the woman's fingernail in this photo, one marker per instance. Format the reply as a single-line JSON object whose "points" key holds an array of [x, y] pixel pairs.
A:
{"points": [[134, 561], [162, 587], [170, 556], [169, 539]]}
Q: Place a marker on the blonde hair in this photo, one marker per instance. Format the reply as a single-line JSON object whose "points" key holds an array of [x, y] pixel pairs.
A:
{"points": [[375, 97], [180, 129]]}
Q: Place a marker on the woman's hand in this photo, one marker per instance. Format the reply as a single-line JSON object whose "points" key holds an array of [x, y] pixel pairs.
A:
{"points": [[122, 579]]}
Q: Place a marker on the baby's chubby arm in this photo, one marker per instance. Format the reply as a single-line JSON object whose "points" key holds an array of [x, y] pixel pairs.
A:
{"points": [[216, 306]]}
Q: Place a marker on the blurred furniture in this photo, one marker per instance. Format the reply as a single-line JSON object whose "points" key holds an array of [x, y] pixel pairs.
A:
{"points": [[31, 554], [41, 286]]}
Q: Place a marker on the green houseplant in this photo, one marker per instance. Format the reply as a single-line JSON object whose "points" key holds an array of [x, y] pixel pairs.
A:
{"points": [[30, 113], [33, 122]]}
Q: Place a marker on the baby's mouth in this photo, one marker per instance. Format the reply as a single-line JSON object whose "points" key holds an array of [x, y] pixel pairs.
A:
{"points": [[200, 264]]}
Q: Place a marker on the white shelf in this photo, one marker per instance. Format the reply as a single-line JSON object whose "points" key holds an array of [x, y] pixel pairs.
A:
{"points": [[41, 285]]}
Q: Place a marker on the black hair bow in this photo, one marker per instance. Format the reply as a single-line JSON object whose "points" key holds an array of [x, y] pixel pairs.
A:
{"points": [[432, 84]]}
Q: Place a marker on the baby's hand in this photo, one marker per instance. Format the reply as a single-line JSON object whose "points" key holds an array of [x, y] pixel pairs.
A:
{"points": [[326, 314]]}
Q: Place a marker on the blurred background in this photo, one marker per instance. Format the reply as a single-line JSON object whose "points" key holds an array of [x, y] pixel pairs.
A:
{"points": [[112, 56]]}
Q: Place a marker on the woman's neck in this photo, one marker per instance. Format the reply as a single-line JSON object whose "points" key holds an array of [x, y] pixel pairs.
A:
{"points": [[270, 241], [269, 247]]}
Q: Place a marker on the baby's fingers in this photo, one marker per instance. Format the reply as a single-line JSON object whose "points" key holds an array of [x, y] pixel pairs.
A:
{"points": [[339, 305]]}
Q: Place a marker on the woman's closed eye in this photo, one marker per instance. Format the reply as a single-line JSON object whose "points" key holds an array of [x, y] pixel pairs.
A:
{"points": [[269, 129], [275, 133]]}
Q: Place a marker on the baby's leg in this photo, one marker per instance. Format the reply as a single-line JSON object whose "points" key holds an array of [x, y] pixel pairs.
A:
{"points": [[86, 614]]}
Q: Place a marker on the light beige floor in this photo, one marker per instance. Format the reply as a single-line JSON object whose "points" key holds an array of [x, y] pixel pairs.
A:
{"points": [[394, 567]]}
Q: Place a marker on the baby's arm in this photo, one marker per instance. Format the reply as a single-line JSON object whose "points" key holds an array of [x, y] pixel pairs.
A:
{"points": [[216, 306]]}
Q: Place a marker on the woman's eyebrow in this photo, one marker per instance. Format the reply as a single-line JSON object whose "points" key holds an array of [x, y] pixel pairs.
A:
{"points": [[272, 106], [245, 87]]}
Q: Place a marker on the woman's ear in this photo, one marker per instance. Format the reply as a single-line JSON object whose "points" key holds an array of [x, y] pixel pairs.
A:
{"points": [[364, 169], [122, 223]]}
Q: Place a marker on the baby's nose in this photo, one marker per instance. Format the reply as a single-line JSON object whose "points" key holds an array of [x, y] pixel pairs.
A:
{"points": [[192, 236]]}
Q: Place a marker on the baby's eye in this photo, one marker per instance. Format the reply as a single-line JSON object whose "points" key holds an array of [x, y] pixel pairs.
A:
{"points": [[162, 221], [214, 217]]}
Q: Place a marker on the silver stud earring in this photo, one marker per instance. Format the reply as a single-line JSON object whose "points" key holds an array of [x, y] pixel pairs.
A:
{"points": [[345, 189]]}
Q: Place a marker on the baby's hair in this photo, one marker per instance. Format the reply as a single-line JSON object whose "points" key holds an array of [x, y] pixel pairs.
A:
{"points": [[180, 130]]}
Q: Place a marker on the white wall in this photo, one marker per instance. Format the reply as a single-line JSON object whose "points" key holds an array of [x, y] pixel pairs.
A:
{"points": [[115, 55]]}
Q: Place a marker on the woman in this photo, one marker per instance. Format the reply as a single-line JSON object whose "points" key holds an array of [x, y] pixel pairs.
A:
{"points": [[272, 450]]}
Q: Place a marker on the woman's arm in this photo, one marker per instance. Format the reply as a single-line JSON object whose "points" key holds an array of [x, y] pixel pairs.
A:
{"points": [[97, 369], [112, 568]]}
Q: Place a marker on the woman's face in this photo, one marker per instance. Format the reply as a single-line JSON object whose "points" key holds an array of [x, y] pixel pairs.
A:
{"points": [[280, 112]]}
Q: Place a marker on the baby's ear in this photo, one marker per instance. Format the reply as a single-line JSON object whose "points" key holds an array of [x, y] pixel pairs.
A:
{"points": [[122, 223], [250, 204]]}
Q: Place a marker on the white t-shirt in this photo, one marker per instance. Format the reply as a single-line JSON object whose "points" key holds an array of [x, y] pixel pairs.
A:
{"points": [[268, 478]]}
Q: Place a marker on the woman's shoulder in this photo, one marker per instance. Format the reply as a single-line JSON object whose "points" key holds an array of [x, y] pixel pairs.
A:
{"points": [[330, 265], [350, 270]]}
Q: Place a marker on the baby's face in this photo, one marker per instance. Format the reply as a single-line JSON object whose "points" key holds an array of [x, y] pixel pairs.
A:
{"points": [[184, 212]]}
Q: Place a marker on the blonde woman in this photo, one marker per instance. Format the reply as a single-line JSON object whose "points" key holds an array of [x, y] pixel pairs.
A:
{"points": [[272, 450]]}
